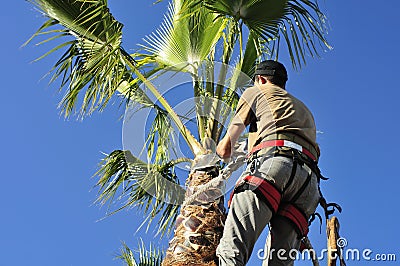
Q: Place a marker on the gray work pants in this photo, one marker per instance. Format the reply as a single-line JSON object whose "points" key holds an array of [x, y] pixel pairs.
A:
{"points": [[248, 215]]}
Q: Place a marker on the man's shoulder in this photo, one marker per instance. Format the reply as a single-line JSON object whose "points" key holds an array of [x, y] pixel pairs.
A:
{"points": [[267, 92], [252, 89], [250, 93], [263, 89]]}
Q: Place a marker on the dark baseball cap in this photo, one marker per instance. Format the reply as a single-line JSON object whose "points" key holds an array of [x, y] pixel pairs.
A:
{"points": [[271, 68]]}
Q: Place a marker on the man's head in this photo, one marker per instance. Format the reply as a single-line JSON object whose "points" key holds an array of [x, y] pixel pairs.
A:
{"points": [[272, 71]]}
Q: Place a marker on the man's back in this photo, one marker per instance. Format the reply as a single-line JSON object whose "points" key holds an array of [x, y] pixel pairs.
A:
{"points": [[270, 110]]}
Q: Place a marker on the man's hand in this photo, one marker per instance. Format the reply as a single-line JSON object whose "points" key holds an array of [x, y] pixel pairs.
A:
{"points": [[224, 148]]}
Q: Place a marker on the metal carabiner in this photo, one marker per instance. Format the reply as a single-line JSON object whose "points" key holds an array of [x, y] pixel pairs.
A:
{"points": [[254, 165]]}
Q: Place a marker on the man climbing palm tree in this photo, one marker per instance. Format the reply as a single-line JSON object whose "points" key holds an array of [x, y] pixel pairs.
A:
{"points": [[280, 184], [194, 34]]}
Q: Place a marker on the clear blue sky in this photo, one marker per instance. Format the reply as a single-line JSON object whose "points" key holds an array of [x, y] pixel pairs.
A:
{"points": [[47, 215]]}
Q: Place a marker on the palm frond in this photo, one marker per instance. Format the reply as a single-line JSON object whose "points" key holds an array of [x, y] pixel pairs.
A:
{"points": [[298, 23], [251, 54], [160, 138], [186, 36], [89, 19], [126, 181], [95, 64], [304, 28], [258, 15], [127, 256], [241, 76], [147, 257], [93, 60]]}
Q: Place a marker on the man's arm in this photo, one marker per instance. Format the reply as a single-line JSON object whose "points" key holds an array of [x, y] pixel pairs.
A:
{"points": [[244, 115], [224, 148]]}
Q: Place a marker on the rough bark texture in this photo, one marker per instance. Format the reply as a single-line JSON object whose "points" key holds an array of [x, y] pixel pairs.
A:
{"points": [[198, 227]]}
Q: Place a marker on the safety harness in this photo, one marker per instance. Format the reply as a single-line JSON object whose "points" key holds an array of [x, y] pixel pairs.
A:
{"points": [[271, 195], [284, 143]]}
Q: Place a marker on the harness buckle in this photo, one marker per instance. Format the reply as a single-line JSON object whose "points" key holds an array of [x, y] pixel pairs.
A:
{"points": [[254, 165]]}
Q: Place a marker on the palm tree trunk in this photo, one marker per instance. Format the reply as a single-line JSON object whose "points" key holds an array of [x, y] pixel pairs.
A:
{"points": [[199, 226]]}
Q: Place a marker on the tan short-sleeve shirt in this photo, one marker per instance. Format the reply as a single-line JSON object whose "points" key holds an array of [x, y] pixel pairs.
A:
{"points": [[269, 109]]}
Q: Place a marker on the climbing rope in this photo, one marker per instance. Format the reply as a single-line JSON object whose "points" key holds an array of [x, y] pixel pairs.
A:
{"points": [[231, 167]]}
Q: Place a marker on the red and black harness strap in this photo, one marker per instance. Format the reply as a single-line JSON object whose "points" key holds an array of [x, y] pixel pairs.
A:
{"points": [[267, 192], [263, 189], [284, 143], [272, 196], [296, 216]]}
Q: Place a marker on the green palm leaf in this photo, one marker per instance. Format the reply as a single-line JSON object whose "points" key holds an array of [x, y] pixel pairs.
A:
{"points": [[298, 23], [95, 62], [130, 182], [258, 15], [89, 19], [248, 10], [186, 37], [245, 67], [147, 257], [93, 59]]}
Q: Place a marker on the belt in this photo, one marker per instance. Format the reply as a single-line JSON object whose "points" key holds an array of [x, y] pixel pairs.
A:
{"points": [[283, 143]]}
